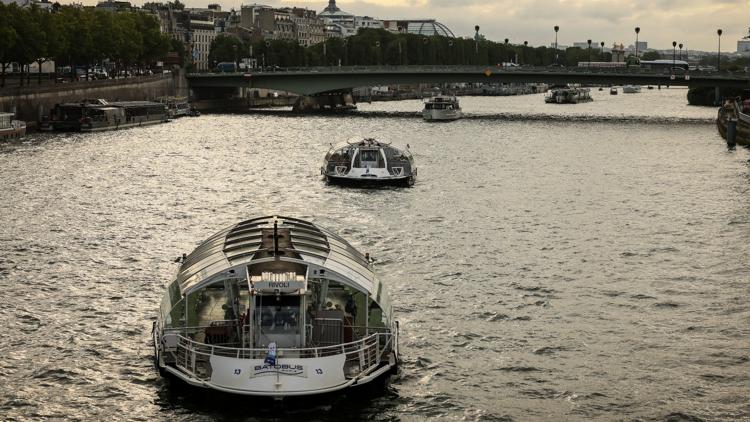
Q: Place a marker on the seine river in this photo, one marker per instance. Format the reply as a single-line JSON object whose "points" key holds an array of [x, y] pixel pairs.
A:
{"points": [[552, 262]]}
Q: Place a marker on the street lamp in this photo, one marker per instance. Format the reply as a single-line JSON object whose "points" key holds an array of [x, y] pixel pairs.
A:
{"points": [[718, 57], [602, 52], [680, 45], [674, 44], [377, 46], [346, 52], [557, 28], [476, 41], [637, 31], [506, 47], [523, 55], [589, 64]]}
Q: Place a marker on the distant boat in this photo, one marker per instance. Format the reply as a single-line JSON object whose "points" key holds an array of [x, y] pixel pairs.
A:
{"points": [[442, 108], [176, 106], [370, 162], [737, 111], [11, 129], [568, 96], [631, 89]]}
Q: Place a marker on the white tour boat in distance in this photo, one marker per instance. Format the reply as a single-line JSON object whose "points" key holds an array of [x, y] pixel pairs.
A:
{"points": [[631, 89], [442, 108], [370, 162], [276, 306], [570, 95]]}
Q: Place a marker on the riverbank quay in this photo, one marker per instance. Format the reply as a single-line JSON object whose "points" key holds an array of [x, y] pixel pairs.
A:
{"points": [[370, 94], [31, 103]]}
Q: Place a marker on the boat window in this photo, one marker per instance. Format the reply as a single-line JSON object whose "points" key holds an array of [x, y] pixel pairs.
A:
{"points": [[219, 301], [277, 313], [368, 155], [340, 155], [393, 154], [375, 316]]}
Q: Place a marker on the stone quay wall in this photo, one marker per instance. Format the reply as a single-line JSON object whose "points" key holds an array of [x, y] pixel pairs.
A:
{"points": [[32, 102]]}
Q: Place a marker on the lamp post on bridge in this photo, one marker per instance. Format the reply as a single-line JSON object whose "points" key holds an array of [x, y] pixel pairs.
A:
{"points": [[476, 42], [637, 31], [602, 51], [557, 28], [346, 52], [506, 48], [236, 61], [674, 44], [680, 45], [523, 52], [589, 64], [718, 56]]}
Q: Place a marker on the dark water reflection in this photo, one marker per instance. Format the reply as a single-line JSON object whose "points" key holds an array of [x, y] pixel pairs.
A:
{"points": [[579, 267]]}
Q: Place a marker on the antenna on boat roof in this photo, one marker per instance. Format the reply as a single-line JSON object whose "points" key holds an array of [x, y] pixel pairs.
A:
{"points": [[275, 239]]}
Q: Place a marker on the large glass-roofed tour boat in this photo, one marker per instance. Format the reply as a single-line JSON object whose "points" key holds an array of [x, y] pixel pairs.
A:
{"points": [[276, 306]]}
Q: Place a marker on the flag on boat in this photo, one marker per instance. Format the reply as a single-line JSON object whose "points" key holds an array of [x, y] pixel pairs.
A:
{"points": [[271, 355]]}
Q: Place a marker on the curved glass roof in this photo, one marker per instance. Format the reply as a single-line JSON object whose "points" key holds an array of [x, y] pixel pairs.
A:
{"points": [[429, 28], [242, 243]]}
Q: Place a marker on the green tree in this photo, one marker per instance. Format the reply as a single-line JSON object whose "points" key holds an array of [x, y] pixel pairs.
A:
{"points": [[30, 43], [155, 45], [651, 55], [130, 47], [226, 48], [8, 39]]}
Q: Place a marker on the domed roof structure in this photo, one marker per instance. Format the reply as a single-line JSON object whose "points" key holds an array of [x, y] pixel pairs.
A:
{"points": [[333, 11], [426, 27]]}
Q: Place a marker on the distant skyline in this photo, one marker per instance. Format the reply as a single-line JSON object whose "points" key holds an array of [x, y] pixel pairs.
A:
{"points": [[690, 22]]}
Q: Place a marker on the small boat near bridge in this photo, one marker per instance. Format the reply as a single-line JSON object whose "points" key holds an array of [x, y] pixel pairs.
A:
{"points": [[733, 121]]}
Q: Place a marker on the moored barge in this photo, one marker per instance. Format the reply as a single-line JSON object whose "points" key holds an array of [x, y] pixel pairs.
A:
{"points": [[276, 306], [97, 115], [10, 128]]}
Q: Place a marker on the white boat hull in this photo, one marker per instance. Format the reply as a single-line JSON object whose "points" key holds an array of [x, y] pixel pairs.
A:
{"points": [[631, 89], [441, 115]]}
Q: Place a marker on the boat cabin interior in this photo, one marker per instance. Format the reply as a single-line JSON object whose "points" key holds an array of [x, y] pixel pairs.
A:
{"points": [[442, 103], [278, 301]]}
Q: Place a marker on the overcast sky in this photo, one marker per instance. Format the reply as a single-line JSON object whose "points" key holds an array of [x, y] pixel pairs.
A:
{"points": [[691, 22]]}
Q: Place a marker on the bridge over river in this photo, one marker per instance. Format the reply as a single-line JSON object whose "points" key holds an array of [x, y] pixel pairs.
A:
{"points": [[317, 80]]}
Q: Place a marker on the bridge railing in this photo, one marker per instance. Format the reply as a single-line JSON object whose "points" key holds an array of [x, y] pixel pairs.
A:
{"points": [[630, 70]]}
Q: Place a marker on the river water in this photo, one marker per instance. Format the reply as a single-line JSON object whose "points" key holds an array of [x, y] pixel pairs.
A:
{"points": [[552, 262]]}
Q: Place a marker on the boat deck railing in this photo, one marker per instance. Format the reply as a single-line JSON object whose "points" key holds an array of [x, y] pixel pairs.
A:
{"points": [[362, 355]]}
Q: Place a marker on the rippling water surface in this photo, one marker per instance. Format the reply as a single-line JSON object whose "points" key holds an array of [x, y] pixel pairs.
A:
{"points": [[552, 261]]}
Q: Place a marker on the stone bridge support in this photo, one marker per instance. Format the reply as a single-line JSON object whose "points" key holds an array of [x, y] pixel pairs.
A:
{"points": [[330, 101], [711, 96]]}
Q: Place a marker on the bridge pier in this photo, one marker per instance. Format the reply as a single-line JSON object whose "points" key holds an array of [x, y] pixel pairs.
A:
{"points": [[336, 101], [710, 96]]}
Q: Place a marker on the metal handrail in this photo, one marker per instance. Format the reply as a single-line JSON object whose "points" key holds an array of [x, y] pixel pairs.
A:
{"points": [[251, 353], [366, 354]]}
